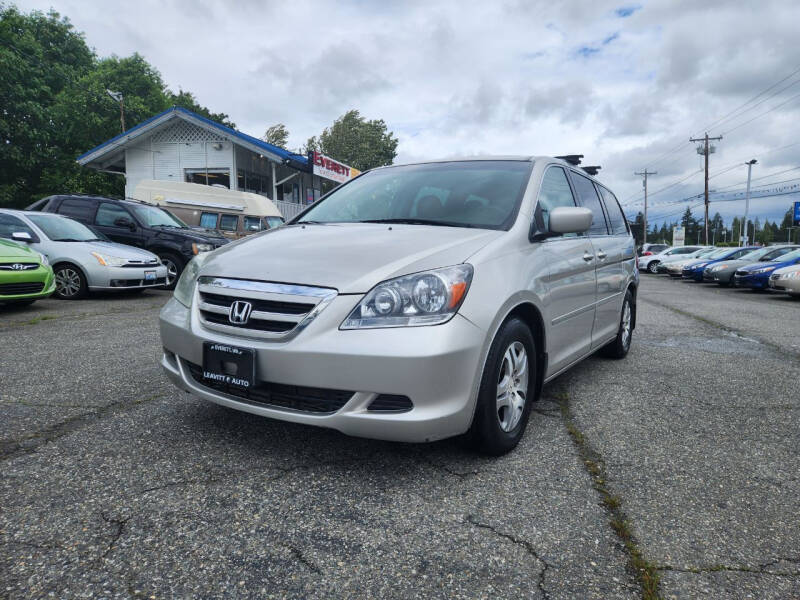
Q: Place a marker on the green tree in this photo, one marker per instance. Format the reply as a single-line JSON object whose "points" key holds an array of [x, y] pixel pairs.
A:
{"points": [[277, 135], [40, 55], [360, 143], [54, 106]]}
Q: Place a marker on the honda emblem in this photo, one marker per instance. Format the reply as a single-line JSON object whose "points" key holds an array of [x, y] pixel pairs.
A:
{"points": [[240, 312]]}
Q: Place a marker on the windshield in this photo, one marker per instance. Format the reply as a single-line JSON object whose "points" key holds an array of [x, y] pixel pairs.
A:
{"points": [[703, 252], [719, 253], [754, 255], [273, 222], [152, 216], [484, 194], [62, 229], [791, 256]]}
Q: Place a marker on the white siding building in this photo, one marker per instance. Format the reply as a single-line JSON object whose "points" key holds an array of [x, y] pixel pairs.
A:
{"points": [[180, 145]]}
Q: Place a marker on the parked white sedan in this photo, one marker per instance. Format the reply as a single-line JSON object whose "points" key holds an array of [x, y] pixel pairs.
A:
{"points": [[81, 259], [650, 263], [786, 280]]}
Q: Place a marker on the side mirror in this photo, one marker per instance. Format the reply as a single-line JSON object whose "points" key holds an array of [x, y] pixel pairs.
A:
{"points": [[22, 236], [125, 222], [570, 219]]}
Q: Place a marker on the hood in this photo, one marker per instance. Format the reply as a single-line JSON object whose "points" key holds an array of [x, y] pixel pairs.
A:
{"points": [[16, 251], [110, 249], [770, 263], [351, 257]]}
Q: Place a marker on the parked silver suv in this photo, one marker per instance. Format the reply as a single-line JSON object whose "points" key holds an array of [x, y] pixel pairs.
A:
{"points": [[414, 303]]}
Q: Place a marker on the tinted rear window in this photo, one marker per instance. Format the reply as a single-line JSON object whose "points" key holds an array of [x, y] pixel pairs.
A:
{"points": [[77, 208]]}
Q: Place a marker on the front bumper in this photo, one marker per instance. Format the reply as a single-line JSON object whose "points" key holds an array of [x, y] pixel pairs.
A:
{"points": [[125, 278], [11, 282], [756, 282], [789, 286], [436, 367]]}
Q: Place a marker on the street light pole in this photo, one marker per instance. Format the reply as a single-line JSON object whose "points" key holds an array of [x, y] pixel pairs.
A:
{"points": [[744, 238]]}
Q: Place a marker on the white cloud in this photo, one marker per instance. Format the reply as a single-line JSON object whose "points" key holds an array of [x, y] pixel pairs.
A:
{"points": [[621, 82]]}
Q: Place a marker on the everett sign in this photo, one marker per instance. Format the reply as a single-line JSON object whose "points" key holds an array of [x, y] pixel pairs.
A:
{"points": [[328, 168]]}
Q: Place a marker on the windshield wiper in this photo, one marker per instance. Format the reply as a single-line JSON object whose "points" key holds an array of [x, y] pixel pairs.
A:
{"points": [[420, 222], [71, 240]]}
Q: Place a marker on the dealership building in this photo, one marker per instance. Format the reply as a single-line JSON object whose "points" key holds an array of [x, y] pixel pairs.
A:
{"points": [[180, 145]]}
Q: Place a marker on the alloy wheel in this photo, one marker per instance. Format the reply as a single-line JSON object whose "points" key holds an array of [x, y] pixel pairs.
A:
{"points": [[512, 386], [653, 267], [68, 282], [172, 270], [626, 325]]}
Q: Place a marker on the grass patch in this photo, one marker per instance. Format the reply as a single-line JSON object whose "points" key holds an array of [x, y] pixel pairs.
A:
{"points": [[36, 320], [646, 572]]}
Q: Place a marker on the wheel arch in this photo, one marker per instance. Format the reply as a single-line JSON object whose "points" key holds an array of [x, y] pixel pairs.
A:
{"points": [[633, 287]]}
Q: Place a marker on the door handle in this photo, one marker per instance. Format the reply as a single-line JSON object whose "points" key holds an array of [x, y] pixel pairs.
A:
{"points": [[587, 257], [601, 255]]}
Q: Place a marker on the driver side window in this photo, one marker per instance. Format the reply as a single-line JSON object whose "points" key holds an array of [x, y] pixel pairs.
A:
{"points": [[555, 192], [108, 213], [9, 225]]}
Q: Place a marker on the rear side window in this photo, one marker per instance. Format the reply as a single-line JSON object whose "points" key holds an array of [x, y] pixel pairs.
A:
{"points": [[229, 222], [588, 198], [208, 220], [80, 209], [555, 192], [616, 217], [107, 213]]}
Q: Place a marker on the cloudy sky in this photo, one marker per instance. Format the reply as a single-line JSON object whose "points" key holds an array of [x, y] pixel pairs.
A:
{"points": [[626, 84]]}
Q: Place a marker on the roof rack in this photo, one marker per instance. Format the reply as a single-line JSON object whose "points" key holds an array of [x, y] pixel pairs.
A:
{"points": [[592, 170], [573, 159]]}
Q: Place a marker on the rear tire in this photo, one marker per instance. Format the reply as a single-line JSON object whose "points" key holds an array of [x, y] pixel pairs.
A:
{"points": [[506, 391], [70, 282], [620, 346]]}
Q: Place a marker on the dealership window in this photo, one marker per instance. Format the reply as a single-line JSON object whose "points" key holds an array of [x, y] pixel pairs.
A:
{"points": [[208, 220], [228, 222], [212, 177]]}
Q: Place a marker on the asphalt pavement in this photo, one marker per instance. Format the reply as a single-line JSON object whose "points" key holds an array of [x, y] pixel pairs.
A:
{"points": [[679, 464]]}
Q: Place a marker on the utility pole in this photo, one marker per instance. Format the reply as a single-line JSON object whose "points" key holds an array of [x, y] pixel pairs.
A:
{"points": [[705, 150], [645, 173], [121, 99], [745, 237]]}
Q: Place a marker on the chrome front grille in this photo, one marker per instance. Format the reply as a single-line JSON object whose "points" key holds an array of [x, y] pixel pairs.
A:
{"points": [[273, 310], [18, 266]]}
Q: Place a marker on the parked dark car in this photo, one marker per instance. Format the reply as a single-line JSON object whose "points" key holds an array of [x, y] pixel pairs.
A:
{"points": [[137, 224]]}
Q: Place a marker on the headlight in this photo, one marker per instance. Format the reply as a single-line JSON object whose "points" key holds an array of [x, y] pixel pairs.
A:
{"points": [[427, 298], [199, 248], [791, 275], [699, 266], [109, 261], [43, 259], [717, 268], [184, 289], [765, 269]]}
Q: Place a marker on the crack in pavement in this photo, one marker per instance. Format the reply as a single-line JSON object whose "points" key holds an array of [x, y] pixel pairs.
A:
{"points": [[424, 460], [32, 442], [301, 558], [759, 570], [119, 525], [470, 519], [645, 572]]}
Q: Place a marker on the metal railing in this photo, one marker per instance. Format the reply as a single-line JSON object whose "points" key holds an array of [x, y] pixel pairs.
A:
{"points": [[289, 210]]}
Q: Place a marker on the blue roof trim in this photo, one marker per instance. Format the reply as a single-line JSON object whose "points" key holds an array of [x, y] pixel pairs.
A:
{"points": [[271, 148]]}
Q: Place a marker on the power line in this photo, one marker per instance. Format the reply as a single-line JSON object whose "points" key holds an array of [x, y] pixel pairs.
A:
{"points": [[777, 106], [761, 93]]}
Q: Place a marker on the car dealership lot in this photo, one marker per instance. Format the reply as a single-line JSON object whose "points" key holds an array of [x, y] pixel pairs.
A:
{"points": [[115, 484]]}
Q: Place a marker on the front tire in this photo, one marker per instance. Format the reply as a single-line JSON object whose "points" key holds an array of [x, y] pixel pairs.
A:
{"points": [[652, 267], [506, 391], [174, 266], [70, 282], [619, 346]]}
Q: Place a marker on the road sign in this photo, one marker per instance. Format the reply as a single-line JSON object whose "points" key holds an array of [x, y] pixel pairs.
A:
{"points": [[678, 236]]}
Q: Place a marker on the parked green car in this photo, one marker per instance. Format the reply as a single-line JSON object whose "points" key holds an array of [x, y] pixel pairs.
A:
{"points": [[25, 275]]}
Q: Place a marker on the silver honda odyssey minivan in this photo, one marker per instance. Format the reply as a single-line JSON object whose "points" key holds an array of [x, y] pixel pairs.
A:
{"points": [[414, 303]]}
